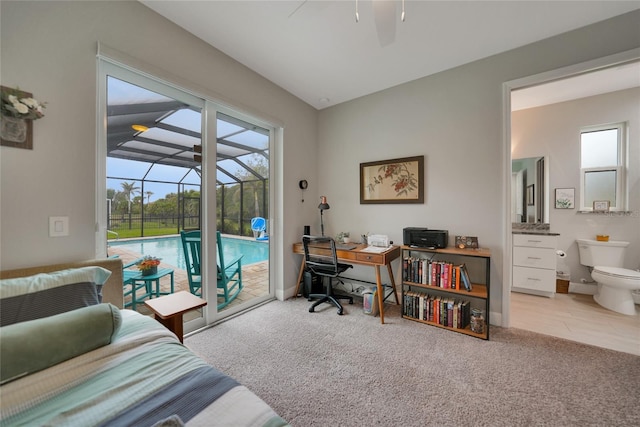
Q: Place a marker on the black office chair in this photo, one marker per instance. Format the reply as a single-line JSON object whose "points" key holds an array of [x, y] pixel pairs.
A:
{"points": [[321, 259]]}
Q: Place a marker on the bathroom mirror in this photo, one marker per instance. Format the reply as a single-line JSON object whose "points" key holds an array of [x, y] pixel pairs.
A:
{"points": [[529, 192]]}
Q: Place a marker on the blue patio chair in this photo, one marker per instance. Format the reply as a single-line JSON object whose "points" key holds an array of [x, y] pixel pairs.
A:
{"points": [[229, 275], [191, 247], [259, 227]]}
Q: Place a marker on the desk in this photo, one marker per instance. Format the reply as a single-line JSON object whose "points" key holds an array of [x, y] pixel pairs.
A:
{"points": [[358, 256], [169, 309]]}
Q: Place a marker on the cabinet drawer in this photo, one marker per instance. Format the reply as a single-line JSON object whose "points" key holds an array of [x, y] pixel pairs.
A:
{"points": [[373, 258], [534, 278], [535, 241], [534, 257]]}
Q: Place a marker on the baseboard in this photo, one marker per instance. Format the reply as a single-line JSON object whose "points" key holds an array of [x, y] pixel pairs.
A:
{"points": [[495, 318], [583, 288]]}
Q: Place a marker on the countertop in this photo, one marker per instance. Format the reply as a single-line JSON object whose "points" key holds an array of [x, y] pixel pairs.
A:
{"points": [[536, 232]]}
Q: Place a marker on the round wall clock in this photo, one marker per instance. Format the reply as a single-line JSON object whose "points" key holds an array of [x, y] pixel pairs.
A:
{"points": [[303, 184]]}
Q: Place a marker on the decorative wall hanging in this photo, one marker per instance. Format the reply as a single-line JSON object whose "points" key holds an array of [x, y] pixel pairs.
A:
{"points": [[565, 198], [18, 112], [392, 181]]}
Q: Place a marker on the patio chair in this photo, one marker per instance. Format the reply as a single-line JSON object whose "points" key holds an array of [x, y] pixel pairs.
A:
{"points": [[259, 227], [229, 276], [191, 248]]}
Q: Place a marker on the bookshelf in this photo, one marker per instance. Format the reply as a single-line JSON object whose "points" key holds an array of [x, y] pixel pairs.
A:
{"points": [[433, 290]]}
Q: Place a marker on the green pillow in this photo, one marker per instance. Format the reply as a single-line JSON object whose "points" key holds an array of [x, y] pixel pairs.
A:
{"points": [[34, 345]]}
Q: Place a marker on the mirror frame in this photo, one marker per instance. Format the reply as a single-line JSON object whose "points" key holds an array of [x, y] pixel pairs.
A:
{"points": [[540, 198]]}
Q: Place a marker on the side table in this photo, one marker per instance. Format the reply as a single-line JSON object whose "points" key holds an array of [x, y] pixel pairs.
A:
{"points": [[168, 309], [137, 281]]}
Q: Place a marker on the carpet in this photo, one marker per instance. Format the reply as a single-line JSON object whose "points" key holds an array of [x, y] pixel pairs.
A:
{"points": [[321, 369]]}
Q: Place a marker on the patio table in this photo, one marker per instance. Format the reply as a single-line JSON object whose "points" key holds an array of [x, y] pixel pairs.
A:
{"points": [[137, 281]]}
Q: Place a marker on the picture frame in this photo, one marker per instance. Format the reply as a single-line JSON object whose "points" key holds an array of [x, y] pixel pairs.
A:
{"points": [[17, 133], [601, 205], [464, 242], [565, 198], [392, 181], [531, 195]]}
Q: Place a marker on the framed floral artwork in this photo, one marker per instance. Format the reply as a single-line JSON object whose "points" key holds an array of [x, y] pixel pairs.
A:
{"points": [[392, 181], [18, 111], [565, 198]]}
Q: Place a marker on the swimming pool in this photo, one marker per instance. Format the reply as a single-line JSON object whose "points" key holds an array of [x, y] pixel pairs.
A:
{"points": [[170, 249]]}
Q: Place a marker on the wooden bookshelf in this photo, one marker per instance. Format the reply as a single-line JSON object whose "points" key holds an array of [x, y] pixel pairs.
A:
{"points": [[478, 296]]}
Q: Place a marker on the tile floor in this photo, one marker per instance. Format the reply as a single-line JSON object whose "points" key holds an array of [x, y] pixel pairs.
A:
{"points": [[576, 317]]}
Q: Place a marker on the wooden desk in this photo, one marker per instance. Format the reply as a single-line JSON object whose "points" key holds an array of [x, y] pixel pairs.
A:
{"points": [[169, 309], [357, 256]]}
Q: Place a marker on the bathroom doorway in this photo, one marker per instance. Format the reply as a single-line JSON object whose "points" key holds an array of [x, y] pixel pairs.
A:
{"points": [[513, 314]]}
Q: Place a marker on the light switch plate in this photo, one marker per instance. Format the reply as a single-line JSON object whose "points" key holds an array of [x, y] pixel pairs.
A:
{"points": [[58, 226]]}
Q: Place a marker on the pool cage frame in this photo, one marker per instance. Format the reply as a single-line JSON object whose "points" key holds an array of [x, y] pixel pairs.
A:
{"points": [[150, 128], [240, 226]]}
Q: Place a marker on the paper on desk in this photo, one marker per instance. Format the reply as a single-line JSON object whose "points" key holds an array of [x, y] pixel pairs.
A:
{"points": [[374, 249]]}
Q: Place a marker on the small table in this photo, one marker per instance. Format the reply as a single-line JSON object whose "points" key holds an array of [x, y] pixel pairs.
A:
{"points": [[168, 309], [135, 279]]}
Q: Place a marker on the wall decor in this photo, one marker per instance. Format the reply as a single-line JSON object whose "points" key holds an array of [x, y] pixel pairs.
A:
{"points": [[601, 205], [392, 181], [565, 198], [530, 195], [18, 111]]}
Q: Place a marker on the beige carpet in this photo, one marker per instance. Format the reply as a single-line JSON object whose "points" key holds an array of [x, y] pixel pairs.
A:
{"points": [[321, 369]]}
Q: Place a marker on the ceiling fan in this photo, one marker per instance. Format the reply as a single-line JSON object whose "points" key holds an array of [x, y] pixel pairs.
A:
{"points": [[384, 15]]}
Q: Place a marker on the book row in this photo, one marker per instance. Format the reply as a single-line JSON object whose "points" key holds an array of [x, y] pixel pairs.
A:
{"points": [[442, 274], [439, 309]]}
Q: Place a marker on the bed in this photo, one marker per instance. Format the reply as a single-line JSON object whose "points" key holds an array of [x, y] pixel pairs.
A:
{"points": [[70, 355]]}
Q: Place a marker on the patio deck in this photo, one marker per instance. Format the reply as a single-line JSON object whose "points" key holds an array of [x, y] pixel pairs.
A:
{"points": [[255, 279]]}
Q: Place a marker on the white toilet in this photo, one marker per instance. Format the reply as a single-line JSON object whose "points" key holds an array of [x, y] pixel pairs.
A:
{"points": [[615, 284]]}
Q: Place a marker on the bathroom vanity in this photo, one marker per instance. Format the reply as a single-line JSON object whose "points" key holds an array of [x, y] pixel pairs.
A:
{"points": [[534, 262]]}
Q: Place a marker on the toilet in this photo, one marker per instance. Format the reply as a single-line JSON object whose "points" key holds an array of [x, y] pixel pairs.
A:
{"points": [[615, 284]]}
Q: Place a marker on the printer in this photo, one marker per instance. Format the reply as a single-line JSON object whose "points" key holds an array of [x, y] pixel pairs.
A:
{"points": [[425, 238]]}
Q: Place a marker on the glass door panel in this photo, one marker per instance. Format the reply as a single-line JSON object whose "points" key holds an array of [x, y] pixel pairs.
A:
{"points": [[242, 206]]}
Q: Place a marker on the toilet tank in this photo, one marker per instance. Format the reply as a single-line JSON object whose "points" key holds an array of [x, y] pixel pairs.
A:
{"points": [[608, 254]]}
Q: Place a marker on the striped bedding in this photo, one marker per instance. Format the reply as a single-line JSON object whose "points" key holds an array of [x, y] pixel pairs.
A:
{"points": [[143, 377]]}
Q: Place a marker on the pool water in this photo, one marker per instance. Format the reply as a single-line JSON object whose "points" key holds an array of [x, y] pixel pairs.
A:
{"points": [[171, 252]]}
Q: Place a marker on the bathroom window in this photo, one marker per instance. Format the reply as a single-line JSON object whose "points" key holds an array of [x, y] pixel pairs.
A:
{"points": [[602, 166]]}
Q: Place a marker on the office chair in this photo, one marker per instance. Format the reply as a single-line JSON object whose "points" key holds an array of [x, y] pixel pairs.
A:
{"points": [[321, 259]]}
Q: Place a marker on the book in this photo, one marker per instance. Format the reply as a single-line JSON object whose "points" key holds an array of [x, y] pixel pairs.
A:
{"points": [[425, 272], [466, 281], [450, 303], [455, 280]]}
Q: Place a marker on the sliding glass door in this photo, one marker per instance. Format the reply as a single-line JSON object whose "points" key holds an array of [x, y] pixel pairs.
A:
{"points": [[159, 175]]}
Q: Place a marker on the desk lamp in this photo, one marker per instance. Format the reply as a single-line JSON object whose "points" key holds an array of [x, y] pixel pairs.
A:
{"points": [[322, 206]]}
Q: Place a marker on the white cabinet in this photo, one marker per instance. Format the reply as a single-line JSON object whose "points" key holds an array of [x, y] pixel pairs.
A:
{"points": [[534, 264]]}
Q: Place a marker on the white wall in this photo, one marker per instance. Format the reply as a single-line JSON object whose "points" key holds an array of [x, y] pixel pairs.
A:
{"points": [[554, 131], [49, 49], [454, 119]]}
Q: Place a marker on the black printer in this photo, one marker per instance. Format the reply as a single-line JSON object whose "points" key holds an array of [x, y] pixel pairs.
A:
{"points": [[424, 238]]}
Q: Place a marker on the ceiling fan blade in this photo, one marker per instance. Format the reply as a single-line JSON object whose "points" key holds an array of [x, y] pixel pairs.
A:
{"points": [[384, 14]]}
